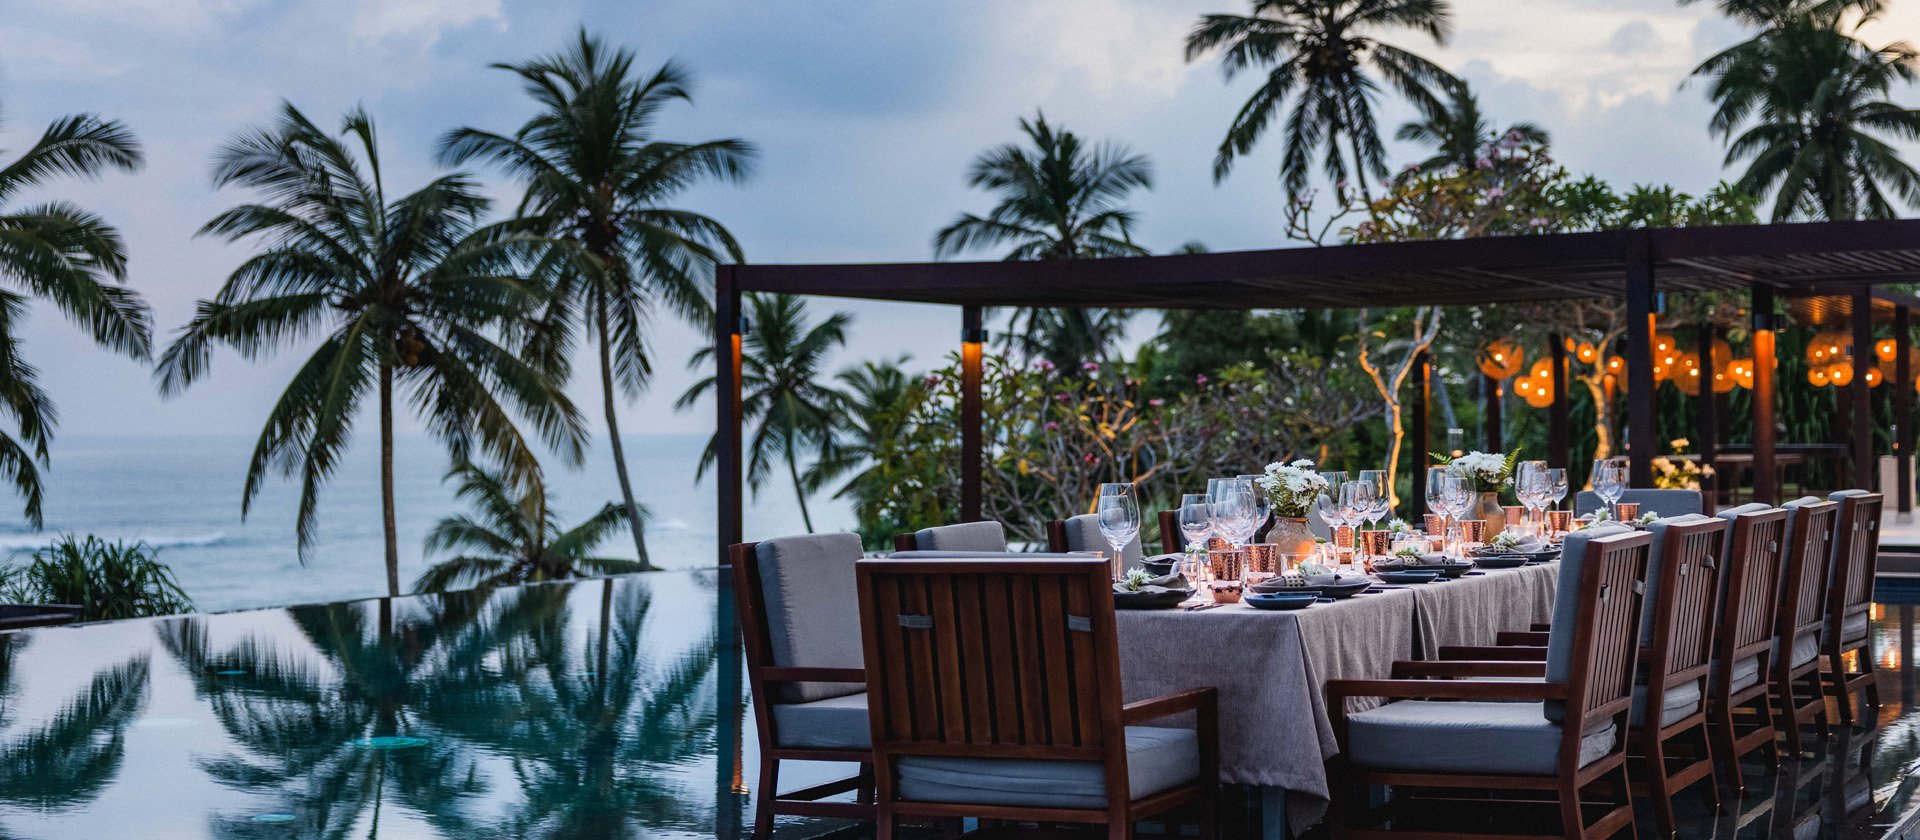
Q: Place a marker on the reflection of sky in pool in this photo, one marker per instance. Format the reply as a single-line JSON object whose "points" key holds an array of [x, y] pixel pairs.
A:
{"points": [[586, 709]]}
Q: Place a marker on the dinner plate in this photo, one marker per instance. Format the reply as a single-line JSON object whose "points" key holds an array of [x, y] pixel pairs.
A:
{"points": [[1150, 598], [1422, 576], [1288, 601], [1501, 561]]}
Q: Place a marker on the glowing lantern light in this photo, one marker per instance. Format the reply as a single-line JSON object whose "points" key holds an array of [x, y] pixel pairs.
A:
{"points": [[1884, 348], [1817, 377], [1873, 377], [1586, 353], [1502, 359], [1840, 373]]}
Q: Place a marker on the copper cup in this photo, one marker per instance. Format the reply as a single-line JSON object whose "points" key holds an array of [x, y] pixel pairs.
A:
{"points": [[1217, 543], [1627, 510], [1262, 559], [1343, 537], [1375, 543], [1436, 525], [1559, 521], [1226, 564], [1473, 530], [1515, 514]]}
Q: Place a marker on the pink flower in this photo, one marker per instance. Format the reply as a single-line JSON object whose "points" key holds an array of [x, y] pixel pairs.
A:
{"points": [[1200, 380], [1496, 194], [1053, 426], [1090, 367], [1484, 163], [1156, 402], [1059, 397], [1043, 364]]}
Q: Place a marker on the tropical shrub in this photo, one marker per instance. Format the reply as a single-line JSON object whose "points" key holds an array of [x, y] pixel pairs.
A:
{"points": [[107, 580]]}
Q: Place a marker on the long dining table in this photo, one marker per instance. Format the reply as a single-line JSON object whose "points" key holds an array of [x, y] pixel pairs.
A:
{"points": [[1271, 668]]}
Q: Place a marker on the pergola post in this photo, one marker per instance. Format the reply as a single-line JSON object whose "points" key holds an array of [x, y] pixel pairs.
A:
{"points": [[1559, 414], [726, 401], [1422, 435], [1903, 406], [1766, 486], [972, 343], [1706, 432], [1491, 390], [1859, 392], [1641, 420]]}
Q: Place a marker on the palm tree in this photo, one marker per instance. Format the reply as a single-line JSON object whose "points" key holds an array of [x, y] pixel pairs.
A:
{"points": [[1813, 103], [70, 257], [597, 176], [402, 290], [876, 411], [782, 392], [1059, 199], [515, 537], [1320, 52], [1460, 135]]}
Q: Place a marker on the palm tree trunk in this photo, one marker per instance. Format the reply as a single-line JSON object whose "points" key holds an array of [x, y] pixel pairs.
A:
{"points": [[391, 530], [613, 432], [793, 469]]}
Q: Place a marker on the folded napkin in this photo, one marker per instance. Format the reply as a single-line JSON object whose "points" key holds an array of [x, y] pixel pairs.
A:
{"points": [[1159, 584], [1532, 545]]}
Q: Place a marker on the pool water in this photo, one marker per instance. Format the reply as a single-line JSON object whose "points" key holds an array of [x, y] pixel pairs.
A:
{"points": [[606, 708]]}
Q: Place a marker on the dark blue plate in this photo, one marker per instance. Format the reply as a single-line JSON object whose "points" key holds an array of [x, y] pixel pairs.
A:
{"points": [[1409, 577], [1281, 602]]}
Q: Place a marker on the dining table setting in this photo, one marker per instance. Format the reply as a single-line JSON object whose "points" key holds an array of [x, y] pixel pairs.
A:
{"points": [[1266, 610]]}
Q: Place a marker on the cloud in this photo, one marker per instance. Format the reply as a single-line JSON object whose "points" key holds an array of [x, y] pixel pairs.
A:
{"points": [[1636, 38], [428, 19]]}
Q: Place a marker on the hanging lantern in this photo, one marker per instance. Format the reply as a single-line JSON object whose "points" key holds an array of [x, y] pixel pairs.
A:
{"points": [[1536, 390], [1616, 365], [1817, 377], [1874, 377], [1840, 374], [1543, 371], [1686, 374], [1586, 353], [1885, 348], [1502, 359], [1741, 371]]}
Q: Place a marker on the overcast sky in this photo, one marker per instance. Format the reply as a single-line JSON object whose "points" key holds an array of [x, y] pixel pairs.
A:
{"points": [[867, 114]]}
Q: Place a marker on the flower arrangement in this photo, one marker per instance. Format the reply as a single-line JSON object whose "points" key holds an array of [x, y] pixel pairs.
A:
{"points": [[1507, 539], [1136, 578], [1491, 472], [1398, 526], [1670, 473], [1292, 488]]}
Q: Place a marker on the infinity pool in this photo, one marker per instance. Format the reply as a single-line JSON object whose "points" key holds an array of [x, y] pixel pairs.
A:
{"points": [[592, 709]]}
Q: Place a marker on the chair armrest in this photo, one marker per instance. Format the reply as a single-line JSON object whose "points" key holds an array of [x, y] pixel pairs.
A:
{"points": [[1338, 690], [1512, 653], [812, 675], [1463, 668], [1507, 638], [1197, 700], [1540, 627]]}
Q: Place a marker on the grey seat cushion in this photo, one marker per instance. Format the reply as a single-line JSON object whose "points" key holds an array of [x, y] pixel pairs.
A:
{"points": [[1083, 534], [1837, 495], [1157, 759], [836, 723], [1426, 736], [1662, 502], [1805, 648], [1746, 673], [966, 536], [983, 555], [813, 610], [1853, 630], [1679, 701]]}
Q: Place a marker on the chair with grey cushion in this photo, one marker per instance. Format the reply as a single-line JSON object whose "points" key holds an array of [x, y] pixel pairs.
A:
{"points": [[996, 694], [1662, 502], [1082, 533], [966, 536], [801, 627], [1856, 553], [1739, 705], [1555, 726], [1795, 676]]}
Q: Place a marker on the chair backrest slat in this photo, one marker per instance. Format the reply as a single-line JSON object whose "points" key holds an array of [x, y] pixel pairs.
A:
{"points": [[991, 657], [1748, 615], [1856, 553], [1810, 533], [1607, 627]]}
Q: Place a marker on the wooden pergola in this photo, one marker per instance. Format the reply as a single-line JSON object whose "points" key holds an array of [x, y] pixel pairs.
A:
{"points": [[1768, 261]]}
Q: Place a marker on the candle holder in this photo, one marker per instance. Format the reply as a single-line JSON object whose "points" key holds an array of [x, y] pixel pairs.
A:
{"points": [[1226, 591]]}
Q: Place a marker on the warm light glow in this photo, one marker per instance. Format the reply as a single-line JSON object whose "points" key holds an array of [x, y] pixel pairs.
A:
{"points": [[1885, 348], [1502, 359], [1586, 353], [1818, 377], [1873, 377], [1840, 373]]}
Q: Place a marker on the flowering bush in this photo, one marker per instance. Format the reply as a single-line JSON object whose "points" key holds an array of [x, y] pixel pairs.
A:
{"points": [[1670, 473], [1293, 488], [1491, 472]]}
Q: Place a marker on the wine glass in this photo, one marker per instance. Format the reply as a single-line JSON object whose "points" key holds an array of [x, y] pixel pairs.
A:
{"points": [[1437, 478], [1119, 523], [1196, 519], [1610, 483], [1534, 491], [1233, 511], [1458, 498], [1356, 501], [1381, 504], [1557, 484], [1262, 505]]}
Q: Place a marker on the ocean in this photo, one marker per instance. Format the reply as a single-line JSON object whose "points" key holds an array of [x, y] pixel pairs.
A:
{"points": [[181, 494]]}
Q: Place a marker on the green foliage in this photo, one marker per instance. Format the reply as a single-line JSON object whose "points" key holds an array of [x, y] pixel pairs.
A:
{"points": [[513, 536], [107, 580]]}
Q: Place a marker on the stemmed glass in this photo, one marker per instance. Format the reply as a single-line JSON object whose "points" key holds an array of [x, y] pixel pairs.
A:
{"points": [[1381, 505], [1356, 501], [1557, 485], [1437, 478], [1457, 496], [1609, 483], [1535, 491], [1196, 519], [1119, 516], [1262, 505]]}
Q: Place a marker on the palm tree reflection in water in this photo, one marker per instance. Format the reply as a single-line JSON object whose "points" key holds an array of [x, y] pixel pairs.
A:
{"points": [[530, 724], [70, 759]]}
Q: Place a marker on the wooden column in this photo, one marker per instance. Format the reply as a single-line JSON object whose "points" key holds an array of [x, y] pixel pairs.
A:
{"points": [[1492, 389], [1766, 486], [1422, 435], [1641, 421], [972, 341], [1559, 414], [726, 400], [1706, 432], [1902, 386], [1859, 393]]}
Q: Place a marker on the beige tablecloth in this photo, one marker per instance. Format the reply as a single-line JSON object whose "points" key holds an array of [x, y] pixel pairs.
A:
{"points": [[1271, 668]]}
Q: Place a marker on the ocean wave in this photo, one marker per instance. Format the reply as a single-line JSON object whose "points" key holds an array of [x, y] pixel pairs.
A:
{"points": [[18, 542]]}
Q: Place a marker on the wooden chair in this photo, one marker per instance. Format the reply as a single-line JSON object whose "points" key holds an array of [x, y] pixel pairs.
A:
{"points": [[800, 625], [1170, 536], [1849, 598], [996, 694], [1668, 743], [1739, 706], [966, 536], [1082, 533], [1561, 735], [1795, 677]]}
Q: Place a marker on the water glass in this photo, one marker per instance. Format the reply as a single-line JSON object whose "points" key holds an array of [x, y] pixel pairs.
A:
{"points": [[1557, 482], [1196, 519], [1382, 504], [1609, 483], [1120, 524]]}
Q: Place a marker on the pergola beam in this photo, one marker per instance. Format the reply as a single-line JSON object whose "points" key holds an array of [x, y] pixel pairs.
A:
{"points": [[1640, 383]]}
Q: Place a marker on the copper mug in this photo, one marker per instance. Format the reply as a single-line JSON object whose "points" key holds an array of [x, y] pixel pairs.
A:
{"points": [[1473, 530], [1226, 563], [1436, 525], [1627, 510], [1375, 543], [1343, 537], [1559, 521], [1262, 559], [1515, 514]]}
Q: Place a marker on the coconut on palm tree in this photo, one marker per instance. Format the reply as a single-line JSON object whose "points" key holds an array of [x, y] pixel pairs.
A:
{"points": [[60, 253], [514, 536], [404, 294], [1807, 105], [1459, 134], [784, 394], [1327, 57], [1059, 199], [597, 176]]}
